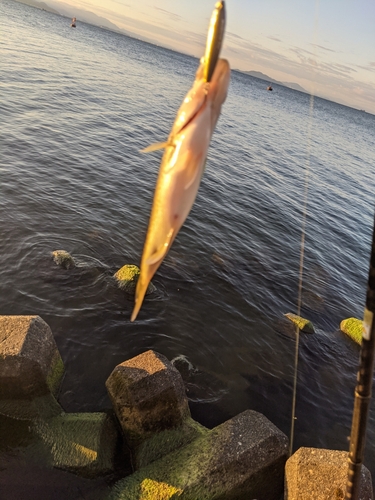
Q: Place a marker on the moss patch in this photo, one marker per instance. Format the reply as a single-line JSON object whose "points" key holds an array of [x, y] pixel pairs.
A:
{"points": [[302, 323], [55, 373], [127, 278], [154, 490], [83, 443], [167, 441], [353, 327], [242, 458], [42, 407], [178, 473]]}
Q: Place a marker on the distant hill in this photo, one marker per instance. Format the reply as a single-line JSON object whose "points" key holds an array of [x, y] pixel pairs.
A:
{"points": [[39, 5], [85, 16], [262, 76], [65, 10], [82, 15]]}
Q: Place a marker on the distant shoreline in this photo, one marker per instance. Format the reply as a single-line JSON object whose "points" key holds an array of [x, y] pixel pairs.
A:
{"points": [[262, 76], [101, 22]]}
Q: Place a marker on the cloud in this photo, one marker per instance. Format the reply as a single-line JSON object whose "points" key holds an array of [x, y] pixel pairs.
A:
{"points": [[232, 50], [304, 57], [172, 15], [274, 38], [369, 67], [196, 38], [314, 71], [322, 47], [300, 51], [119, 3], [329, 79], [233, 35]]}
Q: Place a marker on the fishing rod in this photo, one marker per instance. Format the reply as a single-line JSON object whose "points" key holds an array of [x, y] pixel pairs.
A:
{"points": [[362, 391]]}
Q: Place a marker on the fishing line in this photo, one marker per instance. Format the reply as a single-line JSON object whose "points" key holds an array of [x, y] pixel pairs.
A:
{"points": [[303, 237]]}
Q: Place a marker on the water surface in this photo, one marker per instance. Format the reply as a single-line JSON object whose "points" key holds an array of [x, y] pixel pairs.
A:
{"points": [[76, 107]]}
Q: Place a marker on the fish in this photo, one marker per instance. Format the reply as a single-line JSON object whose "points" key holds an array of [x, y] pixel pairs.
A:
{"points": [[182, 165]]}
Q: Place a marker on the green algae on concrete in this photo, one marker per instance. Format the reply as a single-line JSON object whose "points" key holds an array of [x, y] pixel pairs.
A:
{"points": [[303, 324], [55, 373], [83, 443], [165, 442], [154, 490], [241, 459], [63, 259], [353, 327], [127, 277], [41, 407]]}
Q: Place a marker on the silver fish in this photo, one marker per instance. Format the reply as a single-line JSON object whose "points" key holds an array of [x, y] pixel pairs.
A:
{"points": [[182, 165]]}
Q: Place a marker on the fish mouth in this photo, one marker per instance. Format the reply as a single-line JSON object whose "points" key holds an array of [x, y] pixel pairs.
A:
{"points": [[214, 40]]}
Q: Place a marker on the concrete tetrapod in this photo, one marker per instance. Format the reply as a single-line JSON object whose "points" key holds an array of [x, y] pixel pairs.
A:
{"points": [[31, 368], [149, 399], [241, 459], [83, 443], [148, 396], [319, 474]]}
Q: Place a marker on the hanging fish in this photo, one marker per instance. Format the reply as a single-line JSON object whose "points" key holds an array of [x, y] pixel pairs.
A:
{"points": [[185, 154]]}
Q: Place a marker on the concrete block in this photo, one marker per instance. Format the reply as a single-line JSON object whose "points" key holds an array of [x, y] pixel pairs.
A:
{"points": [[148, 396], [45, 406], [319, 474], [31, 368], [83, 443], [241, 459], [30, 364], [164, 442]]}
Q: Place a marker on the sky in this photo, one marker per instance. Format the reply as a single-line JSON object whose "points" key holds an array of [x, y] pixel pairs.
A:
{"points": [[326, 46]]}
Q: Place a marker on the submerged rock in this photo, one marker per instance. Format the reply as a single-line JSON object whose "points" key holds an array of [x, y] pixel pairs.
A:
{"points": [[127, 277], [353, 327], [303, 324], [63, 259]]}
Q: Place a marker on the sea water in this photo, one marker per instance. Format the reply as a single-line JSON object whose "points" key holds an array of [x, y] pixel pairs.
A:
{"points": [[77, 106]]}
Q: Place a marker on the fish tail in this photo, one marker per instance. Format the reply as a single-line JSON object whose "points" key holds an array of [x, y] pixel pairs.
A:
{"points": [[140, 293]]}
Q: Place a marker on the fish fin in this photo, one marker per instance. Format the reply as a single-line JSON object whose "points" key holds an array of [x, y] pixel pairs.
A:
{"points": [[154, 147], [161, 251]]}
